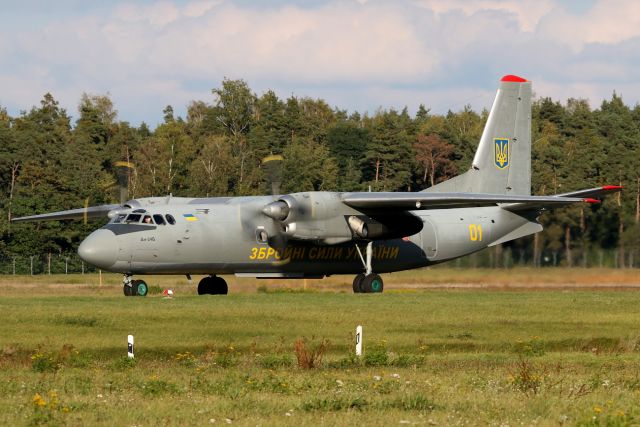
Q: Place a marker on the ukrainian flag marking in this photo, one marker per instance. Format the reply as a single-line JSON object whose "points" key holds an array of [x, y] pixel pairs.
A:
{"points": [[190, 217]]}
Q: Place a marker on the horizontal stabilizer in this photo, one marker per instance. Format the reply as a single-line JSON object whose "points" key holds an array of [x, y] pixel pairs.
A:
{"points": [[593, 192], [91, 212], [423, 200], [589, 195]]}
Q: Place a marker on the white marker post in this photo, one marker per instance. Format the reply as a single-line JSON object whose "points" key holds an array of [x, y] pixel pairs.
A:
{"points": [[359, 341], [130, 346]]}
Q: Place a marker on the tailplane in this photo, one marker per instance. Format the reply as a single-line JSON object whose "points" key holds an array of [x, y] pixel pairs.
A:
{"points": [[502, 163]]}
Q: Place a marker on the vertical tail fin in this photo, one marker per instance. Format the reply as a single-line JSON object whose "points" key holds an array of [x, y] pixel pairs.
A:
{"points": [[502, 163]]}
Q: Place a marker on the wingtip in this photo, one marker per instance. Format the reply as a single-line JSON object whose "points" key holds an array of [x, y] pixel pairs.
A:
{"points": [[612, 187], [513, 78], [590, 200]]}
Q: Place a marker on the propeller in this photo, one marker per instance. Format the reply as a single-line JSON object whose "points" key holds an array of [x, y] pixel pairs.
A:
{"points": [[272, 166], [123, 174]]}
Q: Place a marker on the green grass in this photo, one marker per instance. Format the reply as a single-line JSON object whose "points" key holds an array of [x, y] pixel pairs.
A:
{"points": [[443, 357]]}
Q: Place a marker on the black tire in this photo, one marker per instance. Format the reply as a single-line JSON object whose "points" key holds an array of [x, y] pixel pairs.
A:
{"points": [[205, 286], [372, 284], [134, 288], [220, 286], [141, 288], [357, 283], [127, 290]]}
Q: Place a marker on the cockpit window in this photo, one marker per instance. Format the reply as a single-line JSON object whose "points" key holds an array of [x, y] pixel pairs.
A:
{"points": [[133, 218], [147, 219], [139, 211], [119, 218], [170, 219], [159, 219]]}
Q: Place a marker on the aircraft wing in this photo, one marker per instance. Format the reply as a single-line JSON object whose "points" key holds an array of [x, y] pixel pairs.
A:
{"points": [[422, 200], [91, 212]]}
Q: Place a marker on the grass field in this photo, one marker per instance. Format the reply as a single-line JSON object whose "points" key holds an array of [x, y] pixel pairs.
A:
{"points": [[544, 347]]}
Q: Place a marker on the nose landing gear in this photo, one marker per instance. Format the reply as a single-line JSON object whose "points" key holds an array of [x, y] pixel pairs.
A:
{"points": [[213, 285], [134, 288], [367, 282]]}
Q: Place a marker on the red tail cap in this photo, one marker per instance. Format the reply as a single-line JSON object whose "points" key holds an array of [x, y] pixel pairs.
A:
{"points": [[512, 78], [588, 200], [611, 187]]}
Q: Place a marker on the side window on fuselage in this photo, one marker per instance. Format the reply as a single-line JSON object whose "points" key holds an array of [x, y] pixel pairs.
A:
{"points": [[170, 219], [159, 219]]}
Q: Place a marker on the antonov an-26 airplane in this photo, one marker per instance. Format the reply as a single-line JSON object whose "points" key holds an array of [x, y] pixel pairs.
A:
{"points": [[318, 233]]}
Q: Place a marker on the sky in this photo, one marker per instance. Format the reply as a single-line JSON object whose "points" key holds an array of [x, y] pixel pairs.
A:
{"points": [[358, 55]]}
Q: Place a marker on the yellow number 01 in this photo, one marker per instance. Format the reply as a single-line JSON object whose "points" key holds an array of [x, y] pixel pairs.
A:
{"points": [[475, 232]]}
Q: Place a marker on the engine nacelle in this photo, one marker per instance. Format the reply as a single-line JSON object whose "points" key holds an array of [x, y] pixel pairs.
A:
{"points": [[384, 226], [322, 217], [317, 216]]}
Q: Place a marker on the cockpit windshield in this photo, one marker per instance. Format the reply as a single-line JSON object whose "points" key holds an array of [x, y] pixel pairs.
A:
{"points": [[119, 219], [133, 218], [141, 216]]}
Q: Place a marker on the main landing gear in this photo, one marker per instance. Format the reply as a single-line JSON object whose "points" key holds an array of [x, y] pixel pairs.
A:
{"points": [[367, 282], [213, 285], [134, 288]]}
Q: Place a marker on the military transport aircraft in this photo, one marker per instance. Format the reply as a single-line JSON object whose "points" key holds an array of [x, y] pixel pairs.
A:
{"points": [[320, 233]]}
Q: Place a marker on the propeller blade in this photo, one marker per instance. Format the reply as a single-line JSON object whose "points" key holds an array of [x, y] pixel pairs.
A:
{"points": [[90, 212], [123, 174], [273, 170]]}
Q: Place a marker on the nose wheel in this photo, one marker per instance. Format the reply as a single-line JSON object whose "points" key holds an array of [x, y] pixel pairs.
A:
{"points": [[213, 285], [367, 282], [134, 288]]}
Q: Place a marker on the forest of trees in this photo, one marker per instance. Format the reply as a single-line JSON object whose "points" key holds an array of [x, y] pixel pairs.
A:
{"points": [[49, 162]]}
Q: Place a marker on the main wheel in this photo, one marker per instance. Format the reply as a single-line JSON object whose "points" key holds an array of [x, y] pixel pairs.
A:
{"points": [[127, 290], [134, 287], [220, 286], [205, 287], [357, 283], [372, 284], [141, 288]]}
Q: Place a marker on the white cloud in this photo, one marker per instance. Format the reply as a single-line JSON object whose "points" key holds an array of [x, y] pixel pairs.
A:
{"points": [[157, 14], [527, 12], [333, 42], [198, 8], [356, 55], [608, 22]]}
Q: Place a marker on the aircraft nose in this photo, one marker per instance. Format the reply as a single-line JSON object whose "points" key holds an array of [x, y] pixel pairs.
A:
{"points": [[100, 248]]}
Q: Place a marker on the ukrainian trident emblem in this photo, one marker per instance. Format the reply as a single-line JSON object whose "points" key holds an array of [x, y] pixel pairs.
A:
{"points": [[501, 152]]}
